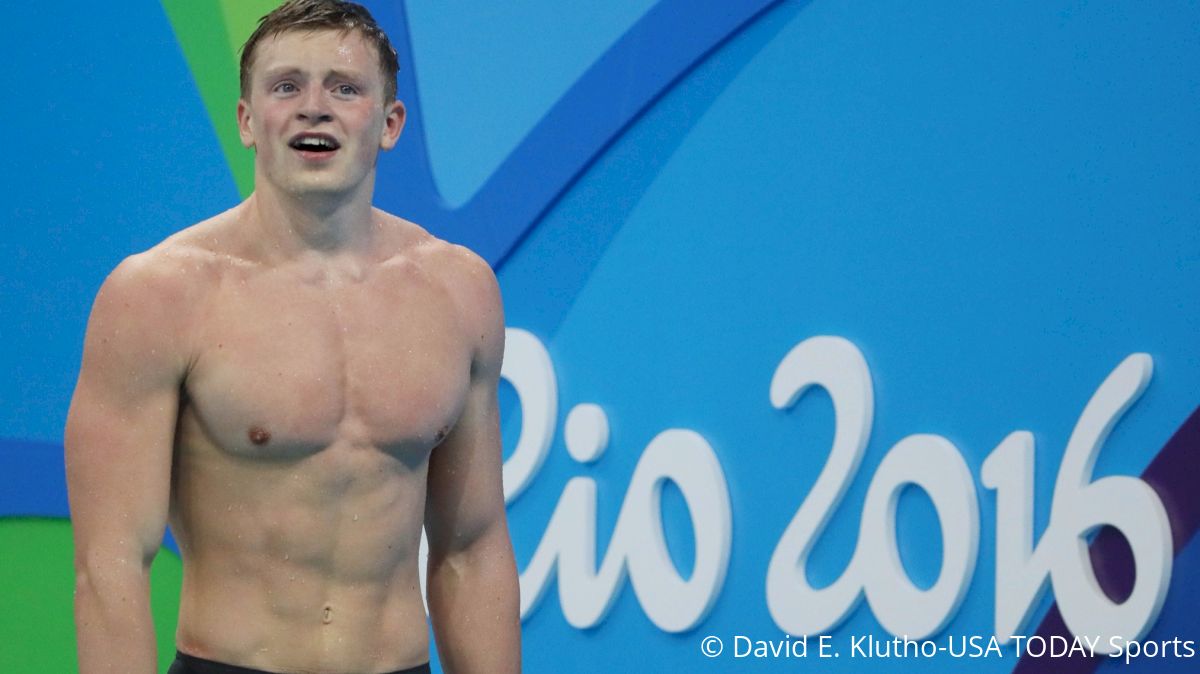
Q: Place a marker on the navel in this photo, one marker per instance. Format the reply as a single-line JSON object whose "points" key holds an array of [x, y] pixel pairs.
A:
{"points": [[327, 617], [258, 435]]}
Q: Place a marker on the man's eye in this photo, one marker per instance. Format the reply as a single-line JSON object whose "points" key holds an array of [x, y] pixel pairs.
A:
{"points": [[285, 87], [346, 90]]}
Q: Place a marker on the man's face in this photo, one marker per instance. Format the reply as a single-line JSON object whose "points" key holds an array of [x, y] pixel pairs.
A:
{"points": [[315, 113]]}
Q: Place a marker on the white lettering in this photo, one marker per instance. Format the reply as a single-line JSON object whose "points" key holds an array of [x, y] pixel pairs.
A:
{"points": [[932, 463], [638, 546], [928, 461], [1079, 506]]}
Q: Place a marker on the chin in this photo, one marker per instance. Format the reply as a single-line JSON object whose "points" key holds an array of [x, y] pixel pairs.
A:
{"points": [[320, 189]]}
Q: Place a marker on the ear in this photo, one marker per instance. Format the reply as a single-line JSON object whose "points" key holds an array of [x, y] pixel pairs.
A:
{"points": [[243, 122], [393, 124]]}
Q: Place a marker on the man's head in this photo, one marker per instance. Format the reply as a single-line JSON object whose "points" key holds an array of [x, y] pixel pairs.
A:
{"points": [[318, 100], [315, 15]]}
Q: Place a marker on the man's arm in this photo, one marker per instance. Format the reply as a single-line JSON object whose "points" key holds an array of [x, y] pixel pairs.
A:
{"points": [[472, 577], [118, 442]]}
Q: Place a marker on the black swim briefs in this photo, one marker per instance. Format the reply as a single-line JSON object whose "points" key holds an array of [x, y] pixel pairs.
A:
{"points": [[190, 664]]}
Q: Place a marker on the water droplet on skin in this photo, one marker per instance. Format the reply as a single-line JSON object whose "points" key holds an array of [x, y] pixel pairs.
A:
{"points": [[356, 518]]}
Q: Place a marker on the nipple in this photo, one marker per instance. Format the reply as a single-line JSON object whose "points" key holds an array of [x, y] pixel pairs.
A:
{"points": [[328, 616], [258, 435]]}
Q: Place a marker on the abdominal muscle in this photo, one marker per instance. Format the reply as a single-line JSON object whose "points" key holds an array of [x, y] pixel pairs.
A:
{"points": [[301, 562]]}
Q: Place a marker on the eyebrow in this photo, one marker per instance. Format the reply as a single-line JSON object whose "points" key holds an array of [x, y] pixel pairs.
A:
{"points": [[293, 71], [280, 72]]}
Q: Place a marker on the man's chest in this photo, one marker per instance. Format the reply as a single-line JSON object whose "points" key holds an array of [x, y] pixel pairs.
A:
{"points": [[290, 368]]}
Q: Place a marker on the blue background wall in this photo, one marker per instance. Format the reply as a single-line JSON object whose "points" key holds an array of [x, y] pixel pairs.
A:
{"points": [[996, 202]]}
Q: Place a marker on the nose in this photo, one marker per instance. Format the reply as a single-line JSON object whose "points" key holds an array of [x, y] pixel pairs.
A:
{"points": [[314, 108]]}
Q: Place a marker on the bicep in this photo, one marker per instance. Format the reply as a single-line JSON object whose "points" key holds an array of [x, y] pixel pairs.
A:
{"points": [[465, 496], [120, 428], [118, 460]]}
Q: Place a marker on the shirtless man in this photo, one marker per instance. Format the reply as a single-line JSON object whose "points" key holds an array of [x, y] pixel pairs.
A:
{"points": [[297, 385]]}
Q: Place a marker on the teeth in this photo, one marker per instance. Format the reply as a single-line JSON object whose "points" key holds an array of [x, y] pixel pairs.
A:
{"points": [[314, 142]]}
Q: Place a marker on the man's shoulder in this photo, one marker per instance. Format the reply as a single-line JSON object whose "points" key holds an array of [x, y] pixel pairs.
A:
{"points": [[159, 286], [467, 279], [180, 265], [454, 265], [458, 264]]}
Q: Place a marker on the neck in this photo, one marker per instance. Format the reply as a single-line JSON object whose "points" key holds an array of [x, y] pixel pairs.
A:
{"points": [[291, 225]]}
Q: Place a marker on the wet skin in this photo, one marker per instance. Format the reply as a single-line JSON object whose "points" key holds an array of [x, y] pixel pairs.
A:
{"points": [[297, 385], [303, 439]]}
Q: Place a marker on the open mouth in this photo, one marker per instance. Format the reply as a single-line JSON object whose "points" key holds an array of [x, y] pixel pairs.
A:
{"points": [[314, 142]]}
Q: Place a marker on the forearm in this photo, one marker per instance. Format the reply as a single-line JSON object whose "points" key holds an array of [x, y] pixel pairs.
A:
{"points": [[474, 604], [113, 624]]}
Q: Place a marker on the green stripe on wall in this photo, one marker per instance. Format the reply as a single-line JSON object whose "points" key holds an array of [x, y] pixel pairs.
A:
{"points": [[210, 32], [243, 16], [37, 579]]}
